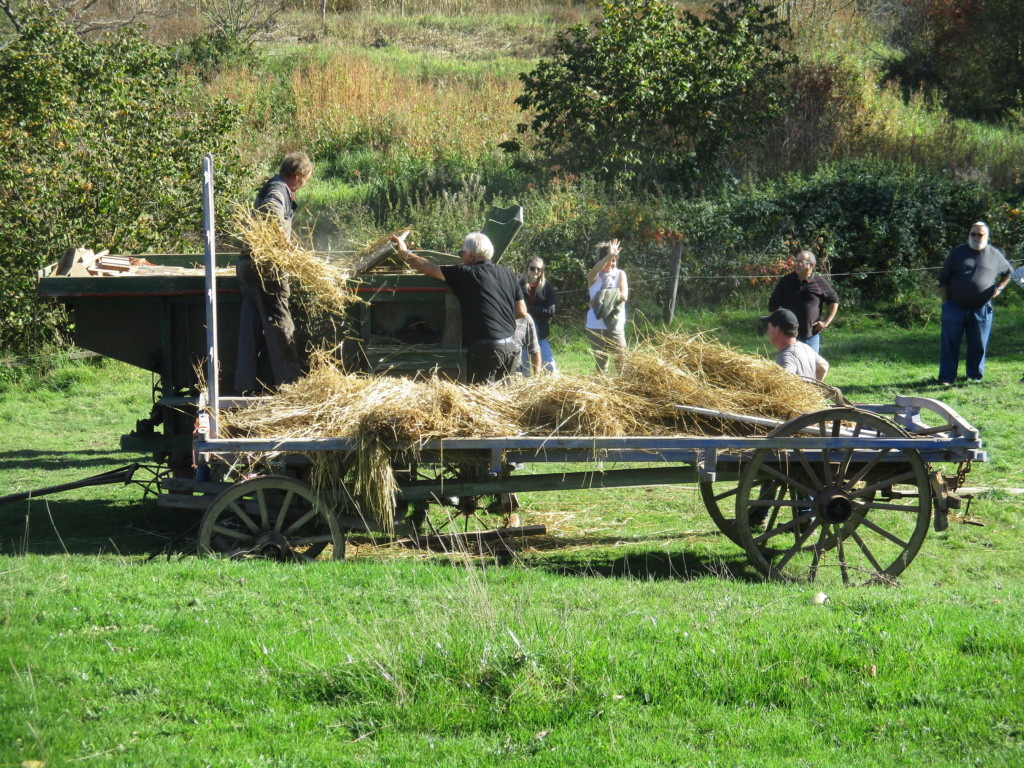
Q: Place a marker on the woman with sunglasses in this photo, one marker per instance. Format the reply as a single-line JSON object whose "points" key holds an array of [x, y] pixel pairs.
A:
{"points": [[540, 303]]}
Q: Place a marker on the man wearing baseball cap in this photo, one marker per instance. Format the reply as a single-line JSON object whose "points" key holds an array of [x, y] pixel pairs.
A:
{"points": [[793, 356]]}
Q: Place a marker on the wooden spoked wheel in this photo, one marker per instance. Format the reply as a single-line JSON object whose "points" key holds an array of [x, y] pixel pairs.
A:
{"points": [[273, 517], [844, 516], [720, 501]]}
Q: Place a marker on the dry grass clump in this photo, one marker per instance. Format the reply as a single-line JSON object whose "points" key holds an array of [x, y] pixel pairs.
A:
{"points": [[330, 403], [373, 412], [324, 286], [580, 406], [673, 369]]}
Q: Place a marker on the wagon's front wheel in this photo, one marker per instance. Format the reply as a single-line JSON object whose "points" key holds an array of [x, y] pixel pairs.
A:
{"points": [[849, 515], [274, 517]]}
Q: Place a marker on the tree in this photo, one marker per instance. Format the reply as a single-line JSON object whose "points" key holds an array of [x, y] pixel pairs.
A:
{"points": [[84, 16], [104, 150], [653, 94]]}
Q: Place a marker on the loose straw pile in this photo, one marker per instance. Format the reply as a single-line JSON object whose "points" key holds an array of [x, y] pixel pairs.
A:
{"points": [[376, 412], [324, 287]]}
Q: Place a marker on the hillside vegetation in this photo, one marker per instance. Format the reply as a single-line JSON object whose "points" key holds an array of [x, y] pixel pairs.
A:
{"points": [[414, 114]]}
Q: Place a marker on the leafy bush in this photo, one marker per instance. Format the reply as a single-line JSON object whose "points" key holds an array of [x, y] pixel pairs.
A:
{"points": [[883, 230], [655, 94], [105, 147]]}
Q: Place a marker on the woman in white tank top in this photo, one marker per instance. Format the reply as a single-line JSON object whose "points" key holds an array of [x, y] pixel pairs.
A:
{"points": [[606, 318]]}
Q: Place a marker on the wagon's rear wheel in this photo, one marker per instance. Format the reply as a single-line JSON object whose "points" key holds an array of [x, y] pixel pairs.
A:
{"points": [[853, 515], [275, 517]]}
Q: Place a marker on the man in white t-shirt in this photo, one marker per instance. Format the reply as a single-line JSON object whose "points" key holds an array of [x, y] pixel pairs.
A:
{"points": [[793, 356]]}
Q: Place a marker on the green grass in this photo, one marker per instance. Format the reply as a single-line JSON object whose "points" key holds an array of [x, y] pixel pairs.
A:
{"points": [[634, 635]]}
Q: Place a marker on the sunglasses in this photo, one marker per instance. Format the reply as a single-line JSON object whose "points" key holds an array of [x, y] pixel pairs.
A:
{"points": [[536, 269]]}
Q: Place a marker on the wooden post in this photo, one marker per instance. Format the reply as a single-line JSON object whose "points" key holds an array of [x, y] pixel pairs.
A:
{"points": [[677, 257]]}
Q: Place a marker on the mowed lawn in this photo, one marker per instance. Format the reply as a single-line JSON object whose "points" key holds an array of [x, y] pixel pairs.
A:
{"points": [[633, 634]]}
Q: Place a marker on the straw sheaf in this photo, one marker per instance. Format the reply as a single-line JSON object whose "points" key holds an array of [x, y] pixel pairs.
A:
{"points": [[580, 406], [672, 369], [323, 286]]}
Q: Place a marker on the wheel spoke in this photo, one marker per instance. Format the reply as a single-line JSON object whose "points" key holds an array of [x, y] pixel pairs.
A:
{"points": [[890, 507], [261, 501], [789, 526], [242, 515], [841, 554], [867, 552], [284, 510], [233, 553], [811, 474], [867, 468], [300, 522], [233, 533], [889, 482], [787, 479], [879, 530], [725, 494], [321, 538], [796, 548], [776, 503]]}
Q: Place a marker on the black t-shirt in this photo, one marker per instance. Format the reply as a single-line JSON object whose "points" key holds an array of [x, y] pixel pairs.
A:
{"points": [[803, 299], [487, 294]]}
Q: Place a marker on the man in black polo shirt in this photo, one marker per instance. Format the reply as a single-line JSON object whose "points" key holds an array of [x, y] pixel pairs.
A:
{"points": [[490, 299], [803, 293]]}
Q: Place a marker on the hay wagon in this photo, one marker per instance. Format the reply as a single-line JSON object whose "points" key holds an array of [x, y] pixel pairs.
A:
{"points": [[848, 491]]}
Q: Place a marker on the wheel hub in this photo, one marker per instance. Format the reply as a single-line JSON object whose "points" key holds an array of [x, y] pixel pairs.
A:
{"points": [[272, 545], [835, 505]]}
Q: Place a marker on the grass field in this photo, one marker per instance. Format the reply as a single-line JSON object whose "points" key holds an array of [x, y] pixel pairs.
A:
{"points": [[633, 634]]}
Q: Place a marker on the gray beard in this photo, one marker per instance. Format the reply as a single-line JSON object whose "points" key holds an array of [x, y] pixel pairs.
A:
{"points": [[982, 244]]}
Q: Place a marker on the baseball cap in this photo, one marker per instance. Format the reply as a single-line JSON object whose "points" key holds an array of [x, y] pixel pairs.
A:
{"points": [[783, 319]]}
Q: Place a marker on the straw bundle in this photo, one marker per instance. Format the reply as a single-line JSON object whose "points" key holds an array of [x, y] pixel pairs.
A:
{"points": [[323, 286], [580, 406], [372, 411], [672, 369]]}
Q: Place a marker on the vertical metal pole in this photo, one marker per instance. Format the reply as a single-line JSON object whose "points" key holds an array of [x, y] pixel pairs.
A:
{"points": [[677, 257], [209, 240]]}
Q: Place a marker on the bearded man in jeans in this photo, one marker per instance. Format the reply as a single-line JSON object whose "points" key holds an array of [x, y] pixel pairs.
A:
{"points": [[973, 275]]}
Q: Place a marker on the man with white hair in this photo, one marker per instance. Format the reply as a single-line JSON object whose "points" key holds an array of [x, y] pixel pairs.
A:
{"points": [[490, 299], [974, 273]]}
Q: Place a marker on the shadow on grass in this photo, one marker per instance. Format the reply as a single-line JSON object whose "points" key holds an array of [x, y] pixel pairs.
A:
{"points": [[47, 526], [64, 461], [594, 558], [656, 566]]}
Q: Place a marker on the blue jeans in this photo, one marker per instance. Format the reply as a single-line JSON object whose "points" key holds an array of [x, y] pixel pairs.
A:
{"points": [[814, 342], [546, 358], [957, 321]]}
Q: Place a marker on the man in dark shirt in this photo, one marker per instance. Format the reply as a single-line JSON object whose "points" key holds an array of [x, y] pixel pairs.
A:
{"points": [[265, 326], [490, 300], [973, 275], [802, 292]]}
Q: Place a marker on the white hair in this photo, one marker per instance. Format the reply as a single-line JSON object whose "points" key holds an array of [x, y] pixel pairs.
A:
{"points": [[479, 245]]}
